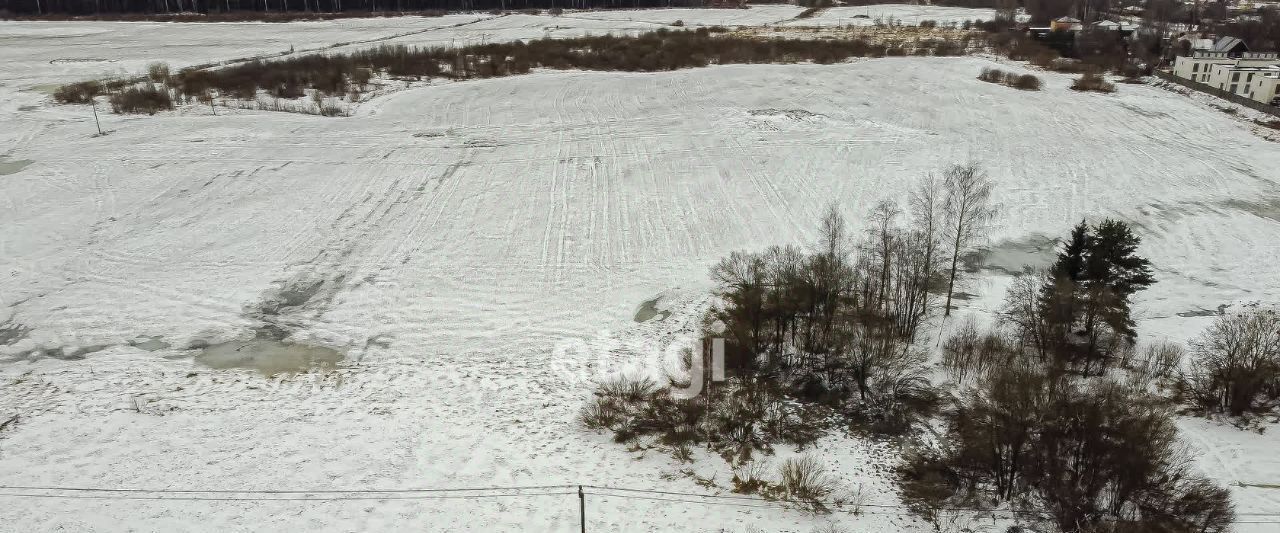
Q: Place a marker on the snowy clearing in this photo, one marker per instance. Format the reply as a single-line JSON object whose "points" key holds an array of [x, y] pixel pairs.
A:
{"points": [[479, 250]]}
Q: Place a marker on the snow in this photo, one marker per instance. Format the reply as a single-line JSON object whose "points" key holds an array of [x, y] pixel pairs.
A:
{"points": [[479, 250], [61, 52]]}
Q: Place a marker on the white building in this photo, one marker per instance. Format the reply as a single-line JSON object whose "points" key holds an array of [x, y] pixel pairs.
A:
{"points": [[1255, 75]]}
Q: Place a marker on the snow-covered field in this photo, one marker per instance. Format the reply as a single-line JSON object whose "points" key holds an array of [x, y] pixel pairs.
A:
{"points": [[478, 250]]}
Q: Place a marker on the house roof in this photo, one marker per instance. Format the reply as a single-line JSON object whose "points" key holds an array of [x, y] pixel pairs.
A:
{"points": [[1227, 43], [1265, 68], [1114, 25], [1067, 19]]}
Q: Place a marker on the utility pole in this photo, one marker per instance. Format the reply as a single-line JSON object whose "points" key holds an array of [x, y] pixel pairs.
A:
{"points": [[94, 104], [582, 509]]}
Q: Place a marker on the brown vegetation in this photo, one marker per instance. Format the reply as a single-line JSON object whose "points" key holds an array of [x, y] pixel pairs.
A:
{"points": [[814, 338], [1100, 456], [1026, 82], [1092, 81], [1235, 366], [78, 93], [1039, 426], [142, 99], [338, 74]]}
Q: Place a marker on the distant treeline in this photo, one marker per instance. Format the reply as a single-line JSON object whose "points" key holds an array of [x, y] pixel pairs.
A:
{"points": [[348, 7], [272, 10]]}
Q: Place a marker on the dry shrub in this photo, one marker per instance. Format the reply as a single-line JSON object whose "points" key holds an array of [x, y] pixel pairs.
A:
{"points": [[1026, 82], [804, 479], [970, 353], [330, 108], [78, 93], [1132, 71], [158, 72], [143, 99], [948, 48], [750, 478], [1044, 59], [731, 419], [1157, 365], [992, 75], [1092, 81]]}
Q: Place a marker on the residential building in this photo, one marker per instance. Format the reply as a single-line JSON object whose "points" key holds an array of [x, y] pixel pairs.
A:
{"points": [[1253, 75]]}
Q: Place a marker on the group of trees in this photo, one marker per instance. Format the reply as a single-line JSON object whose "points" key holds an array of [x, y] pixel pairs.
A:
{"points": [[1078, 314], [1053, 413], [831, 329], [839, 324], [1261, 32], [1038, 423], [1092, 454]]}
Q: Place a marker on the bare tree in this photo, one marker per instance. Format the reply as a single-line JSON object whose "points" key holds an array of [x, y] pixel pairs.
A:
{"points": [[928, 222], [1235, 364], [883, 237], [969, 213]]}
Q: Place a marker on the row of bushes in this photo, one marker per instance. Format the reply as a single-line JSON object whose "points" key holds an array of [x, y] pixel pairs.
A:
{"points": [[337, 74], [123, 96], [1026, 82]]}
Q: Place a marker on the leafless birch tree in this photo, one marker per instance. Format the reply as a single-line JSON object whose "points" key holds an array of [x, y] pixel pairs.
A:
{"points": [[969, 213]]}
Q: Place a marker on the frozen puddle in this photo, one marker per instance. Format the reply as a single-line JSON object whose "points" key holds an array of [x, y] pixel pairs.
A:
{"points": [[1012, 257], [649, 310], [150, 344], [268, 356], [12, 167]]}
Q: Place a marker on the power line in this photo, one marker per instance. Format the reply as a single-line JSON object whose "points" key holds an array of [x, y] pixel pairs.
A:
{"points": [[281, 491], [271, 499], [872, 505], [903, 510]]}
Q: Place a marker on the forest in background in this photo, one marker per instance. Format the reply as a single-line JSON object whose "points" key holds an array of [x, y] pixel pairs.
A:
{"points": [[272, 10], [348, 7]]}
